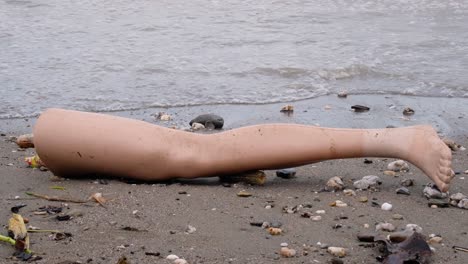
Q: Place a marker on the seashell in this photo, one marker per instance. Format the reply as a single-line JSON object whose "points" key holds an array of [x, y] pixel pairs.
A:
{"points": [[197, 126], [338, 203], [398, 165], [360, 108], [385, 227], [25, 141], [408, 111], [349, 192], [180, 261], [288, 173], [463, 204], [274, 231], [390, 173], [172, 257], [367, 181], [403, 190], [244, 193], [287, 252], [287, 109], [335, 184], [342, 94], [407, 182], [414, 227], [337, 251], [386, 207], [431, 191], [316, 218]]}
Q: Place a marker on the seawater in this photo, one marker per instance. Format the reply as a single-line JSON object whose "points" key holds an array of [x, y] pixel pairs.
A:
{"points": [[122, 55]]}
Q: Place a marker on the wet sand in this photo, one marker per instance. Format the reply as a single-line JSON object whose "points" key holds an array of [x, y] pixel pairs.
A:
{"points": [[162, 211]]}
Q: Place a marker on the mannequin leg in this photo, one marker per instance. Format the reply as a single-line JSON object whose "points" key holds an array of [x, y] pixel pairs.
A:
{"points": [[77, 143]]}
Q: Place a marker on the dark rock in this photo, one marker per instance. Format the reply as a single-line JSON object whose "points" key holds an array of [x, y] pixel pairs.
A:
{"points": [[403, 190], [286, 173], [407, 182], [360, 108], [336, 261], [368, 161], [366, 237], [439, 202], [408, 111], [209, 120], [276, 224]]}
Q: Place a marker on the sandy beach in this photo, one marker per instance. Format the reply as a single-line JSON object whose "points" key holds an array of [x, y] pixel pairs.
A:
{"points": [[148, 221]]}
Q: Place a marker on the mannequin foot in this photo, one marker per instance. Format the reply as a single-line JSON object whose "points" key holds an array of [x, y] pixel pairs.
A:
{"points": [[432, 156]]}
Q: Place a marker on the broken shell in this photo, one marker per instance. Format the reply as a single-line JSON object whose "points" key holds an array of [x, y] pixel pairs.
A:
{"points": [[342, 94], [463, 204], [287, 109], [253, 177], [172, 257], [403, 190], [274, 231], [363, 199], [320, 212], [337, 251], [414, 227], [244, 193], [338, 203], [367, 181], [288, 173], [390, 173], [398, 165], [190, 229], [431, 191], [385, 227], [407, 182], [435, 240], [408, 111], [451, 144], [335, 184], [349, 192], [287, 252], [25, 141], [397, 217], [457, 197], [197, 126], [360, 108], [316, 218], [387, 207]]}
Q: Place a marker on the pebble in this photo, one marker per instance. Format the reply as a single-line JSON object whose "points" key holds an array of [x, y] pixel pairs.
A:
{"points": [[435, 240], [403, 190], [316, 218], [367, 181], [360, 108], [366, 237], [275, 231], [268, 206], [287, 252], [337, 251], [209, 120], [366, 226], [320, 212], [190, 229], [165, 117], [338, 203], [463, 204], [335, 184], [349, 192], [284, 244], [408, 111], [438, 202], [342, 94], [287, 109], [322, 245], [288, 173], [336, 261], [407, 182], [414, 227], [244, 193], [397, 217], [387, 207], [390, 173], [398, 165], [431, 191], [197, 126], [172, 257], [180, 261], [385, 227], [434, 206]]}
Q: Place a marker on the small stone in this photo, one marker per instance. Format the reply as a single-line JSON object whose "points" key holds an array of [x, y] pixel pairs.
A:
{"points": [[398, 165], [367, 181], [431, 191], [287, 109], [366, 237], [276, 224], [180, 261], [322, 245], [197, 126], [397, 217], [172, 257], [316, 218], [338, 203], [274, 231], [363, 199], [286, 173], [386, 207], [287, 252], [349, 192], [414, 227], [208, 120], [385, 227], [366, 226], [407, 182], [434, 206], [403, 190], [25, 141], [320, 212], [438, 202], [284, 244], [342, 94], [463, 204], [360, 108], [466, 172], [165, 117], [457, 197], [390, 173], [268, 206], [435, 240], [335, 184], [398, 237], [408, 111], [244, 193], [337, 251], [336, 261], [190, 229]]}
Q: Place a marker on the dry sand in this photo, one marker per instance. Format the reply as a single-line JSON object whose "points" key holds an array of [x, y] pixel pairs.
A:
{"points": [[162, 211]]}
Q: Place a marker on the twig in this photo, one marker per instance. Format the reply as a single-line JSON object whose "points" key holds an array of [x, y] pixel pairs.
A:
{"points": [[460, 249], [55, 198], [11, 241]]}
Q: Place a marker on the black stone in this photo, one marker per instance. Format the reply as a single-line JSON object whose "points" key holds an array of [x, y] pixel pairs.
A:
{"points": [[286, 173], [209, 120], [360, 108], [403, 190]]}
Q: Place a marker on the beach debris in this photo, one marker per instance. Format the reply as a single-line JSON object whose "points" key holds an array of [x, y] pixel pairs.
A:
{"points": [[34, 161], [316, 218], [253, 177], [197, 126], [431, 191], [244, 193], [284, 244], [414, 227], [287, 109], [390, 173], [172, 257], [360, 108], [368, 161], [398, 165], [287, 252], [17, 229], [367, 181], [349, 192], [274, 231], [132, 229], [209, 120], [462, 249], [386, 206], [63, 217], [413, 249], [57, 236], [385, 227], [434, 239], [320, 212], [287, 173], [55, 198], [342, 94], [363, 199], [337, 251], [338, 203], [403, 190], [463, 204], [456, 198], [408, 111], [335, 184], [49, 209], [451, 144], [407, 182], [25, 141], [190, 229], [97, 197]]}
